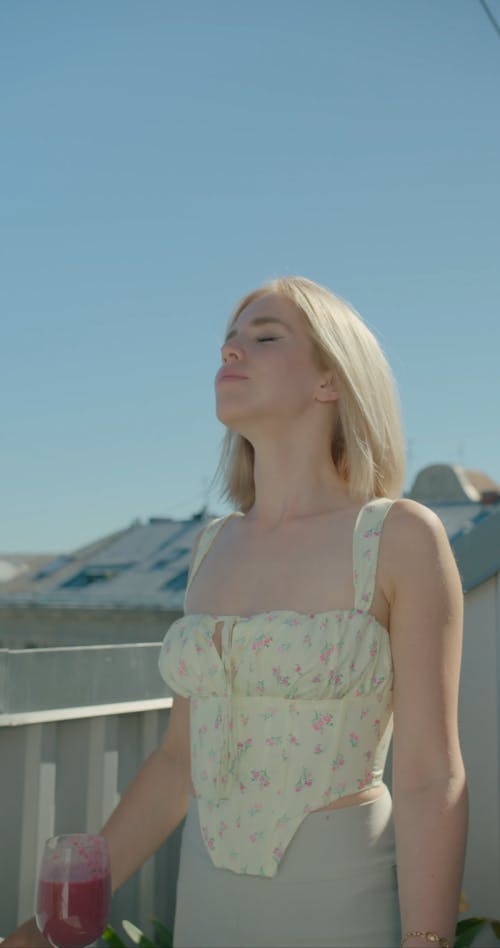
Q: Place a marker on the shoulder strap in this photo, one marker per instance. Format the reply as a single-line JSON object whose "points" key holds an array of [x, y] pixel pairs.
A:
{"points": [[366, 540], [205, 542]]}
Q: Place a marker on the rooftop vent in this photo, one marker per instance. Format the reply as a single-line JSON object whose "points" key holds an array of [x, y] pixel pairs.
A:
{"points": [[490, 497], [452, 484]]}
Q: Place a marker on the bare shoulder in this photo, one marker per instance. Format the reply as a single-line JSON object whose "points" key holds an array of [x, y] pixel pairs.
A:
{"points": [[415, 543], [206, 533], [409, 520]]}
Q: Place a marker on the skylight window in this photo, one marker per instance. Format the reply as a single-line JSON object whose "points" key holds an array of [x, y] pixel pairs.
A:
{"points": [[177, 583], [170, 557], [53, 566], [94, 574]]}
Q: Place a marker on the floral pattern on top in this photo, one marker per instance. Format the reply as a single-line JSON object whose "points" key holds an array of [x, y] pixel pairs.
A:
{"points": [[294, 714]]}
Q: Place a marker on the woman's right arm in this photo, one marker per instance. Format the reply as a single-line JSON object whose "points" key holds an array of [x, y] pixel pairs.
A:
{"points": [[154, 804]]}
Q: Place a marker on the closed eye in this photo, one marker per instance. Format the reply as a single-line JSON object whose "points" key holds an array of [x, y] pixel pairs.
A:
{"points": [[267, 338]]}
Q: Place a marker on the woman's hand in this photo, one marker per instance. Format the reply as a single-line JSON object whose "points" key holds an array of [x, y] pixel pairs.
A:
{"points": [[26, 936]]}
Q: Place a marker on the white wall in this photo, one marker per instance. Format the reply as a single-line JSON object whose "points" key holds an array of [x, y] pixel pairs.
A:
{"points": [[480, 737]]}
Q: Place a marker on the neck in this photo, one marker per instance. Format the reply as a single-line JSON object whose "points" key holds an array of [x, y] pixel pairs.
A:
{"points": [[294, 480]]}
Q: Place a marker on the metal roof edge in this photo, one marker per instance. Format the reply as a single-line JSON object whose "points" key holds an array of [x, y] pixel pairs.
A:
{"points": [[33, 602], [477, 552]]}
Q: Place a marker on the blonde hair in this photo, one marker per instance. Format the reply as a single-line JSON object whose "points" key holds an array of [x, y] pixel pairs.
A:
{"points": [[367, 445]]}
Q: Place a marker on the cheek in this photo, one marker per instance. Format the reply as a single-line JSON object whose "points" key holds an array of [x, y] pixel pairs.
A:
{"points": [[300, 379], [292, 394]]}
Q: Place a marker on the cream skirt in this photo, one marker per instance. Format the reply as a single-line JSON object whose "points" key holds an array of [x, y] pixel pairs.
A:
{"points": [[335, 887]]}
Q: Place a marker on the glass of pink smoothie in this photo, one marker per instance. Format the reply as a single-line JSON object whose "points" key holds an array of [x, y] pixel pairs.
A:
{"points": [[74, 890]]}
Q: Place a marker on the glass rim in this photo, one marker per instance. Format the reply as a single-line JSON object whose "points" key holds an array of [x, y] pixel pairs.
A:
{"points": [[77, 836]]}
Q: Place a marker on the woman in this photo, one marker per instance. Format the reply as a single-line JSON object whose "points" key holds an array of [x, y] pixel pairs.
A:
{"points": [[317, 615]]}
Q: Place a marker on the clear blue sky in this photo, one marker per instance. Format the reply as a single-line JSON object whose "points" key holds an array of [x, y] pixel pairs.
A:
{"points": [[160, 158]]}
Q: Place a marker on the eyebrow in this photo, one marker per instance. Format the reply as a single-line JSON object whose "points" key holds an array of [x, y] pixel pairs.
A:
{"points": [[260, 321]]}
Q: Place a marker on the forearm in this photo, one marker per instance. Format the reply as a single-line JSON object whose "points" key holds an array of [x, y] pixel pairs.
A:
{"points": [[153, 806], [431, 829]]}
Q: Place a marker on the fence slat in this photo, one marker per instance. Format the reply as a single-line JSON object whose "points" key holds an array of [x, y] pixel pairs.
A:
{"points": [[29, 827]]}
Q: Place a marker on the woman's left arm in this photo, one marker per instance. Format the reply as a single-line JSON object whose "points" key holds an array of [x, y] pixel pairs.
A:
{"points": [[429, 784]]}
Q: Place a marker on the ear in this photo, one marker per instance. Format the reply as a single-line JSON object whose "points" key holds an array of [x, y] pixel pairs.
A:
{"points": [[326, 390]]}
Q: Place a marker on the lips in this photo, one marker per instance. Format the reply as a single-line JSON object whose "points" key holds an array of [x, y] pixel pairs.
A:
{"points": [[228, 375]]}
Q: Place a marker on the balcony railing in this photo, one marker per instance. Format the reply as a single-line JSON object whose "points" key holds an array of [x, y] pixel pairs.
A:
{"points": [[66, 761]]}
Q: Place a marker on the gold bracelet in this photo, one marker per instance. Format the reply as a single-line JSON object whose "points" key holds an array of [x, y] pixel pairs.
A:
{"points": [[432, 938]]}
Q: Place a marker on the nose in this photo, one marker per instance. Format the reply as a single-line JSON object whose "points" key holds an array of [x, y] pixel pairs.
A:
{"points": [[231, 349]]}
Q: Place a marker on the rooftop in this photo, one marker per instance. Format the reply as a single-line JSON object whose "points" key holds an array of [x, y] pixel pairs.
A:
{"points": [[145, 565], [142, 566]]}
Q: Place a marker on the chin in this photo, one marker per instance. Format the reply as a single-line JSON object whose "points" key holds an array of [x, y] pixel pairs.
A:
{"points": [[229, 413], [234, 421]]}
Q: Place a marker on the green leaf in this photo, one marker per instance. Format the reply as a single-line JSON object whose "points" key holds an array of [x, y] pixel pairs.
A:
{"points": [[112, 938], [163, 936], [135, 935], [466, 931], [466, 923]]}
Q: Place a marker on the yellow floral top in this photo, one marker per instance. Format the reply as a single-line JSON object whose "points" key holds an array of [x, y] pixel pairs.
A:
{"points": [[295, 713]]}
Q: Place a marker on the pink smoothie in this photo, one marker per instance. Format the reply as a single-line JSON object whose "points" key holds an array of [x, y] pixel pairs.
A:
{"points": [[73, 914]]}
